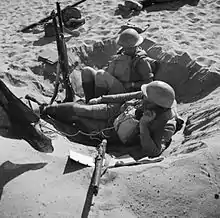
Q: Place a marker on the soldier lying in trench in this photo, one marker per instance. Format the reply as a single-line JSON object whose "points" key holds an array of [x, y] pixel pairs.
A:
{"points": [[146, 118]]}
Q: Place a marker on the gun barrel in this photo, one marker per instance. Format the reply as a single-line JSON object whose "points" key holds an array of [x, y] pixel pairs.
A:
{"points": [[59, 14]]}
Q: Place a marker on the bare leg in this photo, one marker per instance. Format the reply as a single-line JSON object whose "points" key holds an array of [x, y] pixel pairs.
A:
{"points": [[98, 83]]}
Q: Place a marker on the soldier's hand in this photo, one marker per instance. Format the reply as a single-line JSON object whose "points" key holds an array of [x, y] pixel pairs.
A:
{"points": [[147, 117], [95, 100]]}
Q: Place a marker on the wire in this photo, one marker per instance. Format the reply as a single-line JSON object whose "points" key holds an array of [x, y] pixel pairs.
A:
{"points": [[91, 135]]}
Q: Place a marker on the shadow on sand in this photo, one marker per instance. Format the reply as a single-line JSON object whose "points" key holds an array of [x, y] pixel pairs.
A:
{"points": [[46, 40], [72, 166], [9, 171]]}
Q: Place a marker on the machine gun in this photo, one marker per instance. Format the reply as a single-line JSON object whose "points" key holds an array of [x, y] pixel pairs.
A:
{"points": [[62, 58], [46, 19]]}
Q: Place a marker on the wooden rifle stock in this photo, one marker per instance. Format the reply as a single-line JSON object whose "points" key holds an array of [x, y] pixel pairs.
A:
{"points": [[64, 60], [44, 20], [62, 57], [95, 180]]}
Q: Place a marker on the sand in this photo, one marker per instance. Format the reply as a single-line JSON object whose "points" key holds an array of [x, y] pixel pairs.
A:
{"points": [[184, 184]]}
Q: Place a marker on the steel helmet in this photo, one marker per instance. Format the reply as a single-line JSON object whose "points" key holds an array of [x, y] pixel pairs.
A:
{"points": [[129, 38], [159, 93]]}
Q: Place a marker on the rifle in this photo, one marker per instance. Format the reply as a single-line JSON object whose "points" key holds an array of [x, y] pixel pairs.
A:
{"points": [[50, 17], [98, 166], [95, 180], [62, 57]]}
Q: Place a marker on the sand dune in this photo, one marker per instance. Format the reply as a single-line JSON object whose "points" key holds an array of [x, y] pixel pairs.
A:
{"points": [[185, 184]]}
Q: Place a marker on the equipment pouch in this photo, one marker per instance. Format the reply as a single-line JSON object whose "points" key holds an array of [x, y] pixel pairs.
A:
{"points": [[126, 126]]}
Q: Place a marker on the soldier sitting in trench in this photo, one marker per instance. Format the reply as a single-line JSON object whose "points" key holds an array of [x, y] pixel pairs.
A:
{"points": [[126, 72]]}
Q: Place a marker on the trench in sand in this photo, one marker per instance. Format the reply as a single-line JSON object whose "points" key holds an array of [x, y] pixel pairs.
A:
{"points": [[191, 82]]}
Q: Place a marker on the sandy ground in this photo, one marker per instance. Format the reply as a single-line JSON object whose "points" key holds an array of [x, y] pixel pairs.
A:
{"points": [[185, 184]]}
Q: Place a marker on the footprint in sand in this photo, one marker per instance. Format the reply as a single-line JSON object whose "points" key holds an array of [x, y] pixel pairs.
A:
{"points": [[184, 43], [105, 32], [217, 21], [194, 147], [11, 54], [202, 14], [193, 17], [190, 15], [178, 36], [205, 171], [166, 26], [204, 61], [166, 21], [153, 29]]}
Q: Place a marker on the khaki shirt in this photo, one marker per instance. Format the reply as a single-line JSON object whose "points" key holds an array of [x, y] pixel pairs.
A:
{"points": [[137, 69]]}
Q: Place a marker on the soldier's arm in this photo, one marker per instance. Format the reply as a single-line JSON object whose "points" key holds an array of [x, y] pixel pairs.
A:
{"points": [[169, 131], [144, 69], [154, 147], [148, 146]]}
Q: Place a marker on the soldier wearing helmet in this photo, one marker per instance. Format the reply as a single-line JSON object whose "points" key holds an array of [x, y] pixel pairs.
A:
{"points": [[129, 38], [147, 118], [126, 71]]}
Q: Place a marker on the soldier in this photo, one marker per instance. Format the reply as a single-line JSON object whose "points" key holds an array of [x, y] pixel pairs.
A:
{"points": [[126, 72], [148, 121]]}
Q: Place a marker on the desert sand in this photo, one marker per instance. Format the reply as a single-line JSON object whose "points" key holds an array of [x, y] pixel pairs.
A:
{"points": [[185, 184]]}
